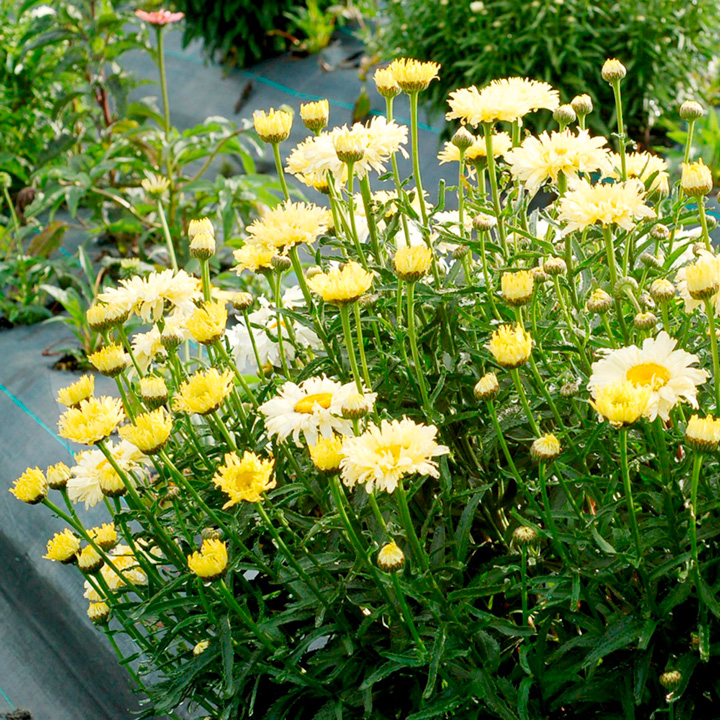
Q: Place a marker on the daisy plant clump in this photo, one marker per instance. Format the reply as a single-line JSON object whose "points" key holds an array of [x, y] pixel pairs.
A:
{"points": [[462, 464]]}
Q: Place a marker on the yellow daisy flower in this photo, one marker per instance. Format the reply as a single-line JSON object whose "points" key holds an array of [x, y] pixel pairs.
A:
{"points": [[204, 391], [92, 421], [244, 479]]}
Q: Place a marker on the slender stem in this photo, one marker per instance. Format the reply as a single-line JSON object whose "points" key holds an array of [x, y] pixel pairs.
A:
{"points": [[412, 334], [163, 81], [128, 347], [492, 173], [461, 192], [280, 171], [420, 555], [628, 491], [416, 156], [251, 335], [276, 281], [396, 175], [697, 465], [361, 347], [703, 223], [345, 319], [168, 238], [370, 217], [689, 140], [524, 401], [523, 582], [549, 519], [710, 311], [621, 129], [205, 274], [610, 250], [351, 213]]}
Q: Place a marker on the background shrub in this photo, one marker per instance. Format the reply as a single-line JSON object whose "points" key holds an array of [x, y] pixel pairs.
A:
{"points": [[665, 44]]}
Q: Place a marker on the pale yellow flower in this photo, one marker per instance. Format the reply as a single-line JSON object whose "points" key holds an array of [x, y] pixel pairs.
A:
{"points": [[622, 402], [487, 387], [244, 479], [111, 360], [510, 346], [412, 75], [412, 262], [105, 536], [327, 453], [315, 115], [621, 204], [92, 421], [384, 454], [153, 391], [390, 557], [255, 256], [204, 391], [501, 143], [517, 287], [148, 432], [697, 179], [203, 225], [102, 317], [643, 165], [341, 285], [288, 225], [273, 126], [207, 323], [385, 83], [31, 487], [546, 448], [703, 434], [63, 547], [58, 476], [80, 390], [211, 561]]}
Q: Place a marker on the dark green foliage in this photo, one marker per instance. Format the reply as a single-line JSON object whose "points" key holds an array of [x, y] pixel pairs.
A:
{"points": [[662, 43]]}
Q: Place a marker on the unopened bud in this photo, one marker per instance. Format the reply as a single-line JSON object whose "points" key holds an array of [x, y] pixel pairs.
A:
{"points": [[484, 222], [649, 260], [582, 105], [691, 110], [487, 387], [462, 139], [645, 321], [662, 290], [625, 285], [524, 535], [564, 115], [281, 263], [555, 266], [613, 71], [242, 301], [671, 680], [659, 232]]}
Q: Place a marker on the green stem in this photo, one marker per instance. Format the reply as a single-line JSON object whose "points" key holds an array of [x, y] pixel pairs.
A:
{"points": [[370, 216], [251, 334], [688, 141], [412, 334], [163, 81], [697, 465], [276, 281], [205, 274], [420, 555], [710, 311], [628, 491], [524, 401], [492, 173], [351, 213], [703, 223], [345, 319], [361, 347], [416, 156], [280, 171], [550, 520], [168, 238], [621, 129], [523, 582]]}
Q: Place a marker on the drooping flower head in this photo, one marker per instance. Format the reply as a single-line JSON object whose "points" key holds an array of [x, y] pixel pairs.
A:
{"points": [[385, 454], [73, 395], [58, 475], [92, 421], [63, 547], [31, 487], [658, 366], [244, 479], [104, 536], [203, 392]]}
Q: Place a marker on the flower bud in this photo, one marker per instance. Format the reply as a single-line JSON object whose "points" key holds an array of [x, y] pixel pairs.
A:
{"points": [[659, 232], [484, 222], [203, 225], [462, 139], [390, 557], [273, 127], [201, 647], [242, 301], [202, 246], [281, 263], [412, 262], [211, 533], [524, 535], [5, 181], [646, 300], [58, 475], [697, 179], [625, 285], [649, 260], [89, 560], [99, 613], [460, 252], [171, 338], [691, 110], [315, 115], [153, 391], [487, 387], [101, 317], [539, 275], [671, 680], [564, 115], [327, 454], [599, 302], [570, 389], [155, 185], [517, 287], [545, 449], [356, 406], [613, 71], [386, 84], [554, 266], [645, 320], [582, 105], [368, 300], [662, 290], [110, 361]]}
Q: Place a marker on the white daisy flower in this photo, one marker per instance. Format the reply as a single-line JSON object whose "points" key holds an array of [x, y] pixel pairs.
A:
{"points": [[312, 408], [656, 365], [84, 485]]}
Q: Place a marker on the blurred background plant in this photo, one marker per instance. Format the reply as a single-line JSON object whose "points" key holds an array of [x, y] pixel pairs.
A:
{"points": [[664, 43]]}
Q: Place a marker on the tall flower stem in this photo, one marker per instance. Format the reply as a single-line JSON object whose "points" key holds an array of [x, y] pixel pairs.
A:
{"points": [[370, 216], [205, 275], [361, 346], [420, 555], [492, 173], [280, 171], [396, 174], [276, 282], [524, 401], [412, 334], [697, 465], [128, 347], [163, 80], [689, 139], [710, 312], [523, 583], [621, 128], [347, 332], [351, 213], [168, 237], [461, 192], [549, 519], [625, 469], [251, 335], [416, 156], [703, 223], [489, 290], [612, 269]]}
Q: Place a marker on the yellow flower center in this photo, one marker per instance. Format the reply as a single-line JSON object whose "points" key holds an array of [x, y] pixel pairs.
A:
{"points": [[648, 374], [306, 405]]}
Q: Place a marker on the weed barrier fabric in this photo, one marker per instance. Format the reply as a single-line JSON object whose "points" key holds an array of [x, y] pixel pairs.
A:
{"points": [[53, 661]]}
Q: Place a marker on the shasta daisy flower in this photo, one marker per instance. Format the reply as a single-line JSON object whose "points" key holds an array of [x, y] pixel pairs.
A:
{"points": [[73, 395], [289, 224], [384, 454], [510, 346], [315, 115], [274, 126], [203, 225], [703, 434], [643, 166], [148, 432], [621, 204], [92, 420], [313, 408], [128, 572], [110, 361], [313, 159], [203, 392], [244, 479], [211, 561], [413, 75], [327, 454], [622, 402], [105, 536], [546, 157], [63, 547], [31, 487], [341, 285], [657, 365], [699, 281], [207, 323]]}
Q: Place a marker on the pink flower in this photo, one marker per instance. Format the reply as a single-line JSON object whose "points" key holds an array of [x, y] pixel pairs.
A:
{"points": [[160, 17]]}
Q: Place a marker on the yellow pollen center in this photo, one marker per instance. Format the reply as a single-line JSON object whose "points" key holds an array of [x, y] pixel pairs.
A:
{"points": [[648, 374], [306, 405]]}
